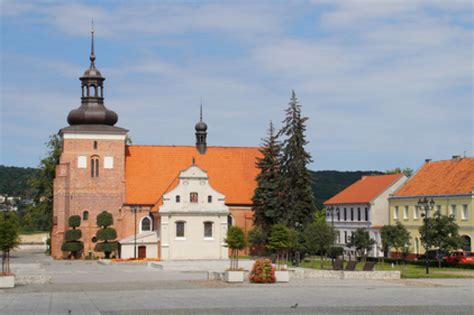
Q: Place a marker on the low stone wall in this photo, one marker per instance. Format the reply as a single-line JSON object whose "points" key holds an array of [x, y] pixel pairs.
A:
{"points": [[304, 273], [32, 279]]}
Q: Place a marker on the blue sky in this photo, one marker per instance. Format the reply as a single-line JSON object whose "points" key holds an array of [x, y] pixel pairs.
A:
{"points": [[384, 83]]}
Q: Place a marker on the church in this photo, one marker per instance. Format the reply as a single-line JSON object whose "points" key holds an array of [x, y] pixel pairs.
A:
{"points": [[168, 202]]}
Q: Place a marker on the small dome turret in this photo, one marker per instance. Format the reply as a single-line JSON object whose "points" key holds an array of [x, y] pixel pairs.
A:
{"points": [[201, 135]]}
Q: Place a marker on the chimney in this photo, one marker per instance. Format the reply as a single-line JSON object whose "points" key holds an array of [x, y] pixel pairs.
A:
{"points": [[427, 160], [456, 157]]}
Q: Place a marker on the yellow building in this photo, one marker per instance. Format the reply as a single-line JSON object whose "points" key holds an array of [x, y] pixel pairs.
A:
{"points": [[450, 184]]}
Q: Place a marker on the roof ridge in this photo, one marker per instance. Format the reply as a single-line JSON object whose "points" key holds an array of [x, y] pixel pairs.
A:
{"points": [[190, 146]]}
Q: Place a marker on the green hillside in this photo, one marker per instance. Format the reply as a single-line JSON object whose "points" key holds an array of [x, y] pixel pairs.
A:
{"points": [[14, 181]]}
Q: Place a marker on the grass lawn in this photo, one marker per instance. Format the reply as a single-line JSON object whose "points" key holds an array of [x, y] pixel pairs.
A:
{"points": [[408, 271]]}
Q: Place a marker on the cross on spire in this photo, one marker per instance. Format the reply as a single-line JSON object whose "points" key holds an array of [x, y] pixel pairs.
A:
{"points": [[92, 57]]}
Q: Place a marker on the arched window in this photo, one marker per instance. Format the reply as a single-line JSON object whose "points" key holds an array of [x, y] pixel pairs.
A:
{"points": [[95, 145], [180, 229], [85, 215], [101, 91], [230, 220], [145, 225], [93, 90], [467, 246], [208, 229], [83, 90], [193, 197], [95, 166]]}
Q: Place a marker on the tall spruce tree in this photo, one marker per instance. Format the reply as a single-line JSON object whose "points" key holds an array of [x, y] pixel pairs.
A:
{"points": [[266, 199], [297, 204]]}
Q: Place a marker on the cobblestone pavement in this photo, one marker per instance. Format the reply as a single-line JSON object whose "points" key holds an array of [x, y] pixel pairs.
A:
{"points": [[85, 287]]}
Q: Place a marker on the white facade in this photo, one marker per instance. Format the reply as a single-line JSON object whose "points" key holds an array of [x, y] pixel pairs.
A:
{"points": [[371, 216], [193, 219]]}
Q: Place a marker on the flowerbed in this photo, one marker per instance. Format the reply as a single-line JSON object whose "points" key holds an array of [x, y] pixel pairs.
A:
{"points": [[134, 260]]}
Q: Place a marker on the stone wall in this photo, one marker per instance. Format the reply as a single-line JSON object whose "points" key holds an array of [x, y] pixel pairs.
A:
{"points": [[304, 273]]}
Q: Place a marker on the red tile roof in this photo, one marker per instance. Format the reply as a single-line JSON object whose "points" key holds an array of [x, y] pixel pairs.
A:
{"points": [[150, 171], [364, 190], [446, 177]]}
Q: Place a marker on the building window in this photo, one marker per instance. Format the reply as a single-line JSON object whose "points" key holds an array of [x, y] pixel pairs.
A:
{"points": [[464, 215], [82, 161], [145, 224], [345, 214], [193, 197], [359, 218], [180, 229], [209, 199], [416, 213], [338, 215], [230, 220], [345, 237], [395, 213], [453, 211], [178, 199], [405, 213], [352, 214], [95, 145], [207, 229], [85, 215], [366, 214], [95, 166]]}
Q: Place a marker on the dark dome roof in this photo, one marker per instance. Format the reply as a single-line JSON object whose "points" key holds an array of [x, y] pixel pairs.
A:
{"points": [[92, 72], [201, 126], [90, 114]]}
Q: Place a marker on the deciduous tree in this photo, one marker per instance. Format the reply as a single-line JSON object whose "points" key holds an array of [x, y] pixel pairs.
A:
{"points": [[361, 241], [318, 239]]}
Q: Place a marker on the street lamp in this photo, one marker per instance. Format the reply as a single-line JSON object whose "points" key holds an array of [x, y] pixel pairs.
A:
{"points": [[427, 205], [134, 209], [333, 211]]}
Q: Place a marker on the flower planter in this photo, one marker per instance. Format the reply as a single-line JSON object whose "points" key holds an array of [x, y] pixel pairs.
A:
{"points": [[7, 282], [234, 276], [282, 276]]}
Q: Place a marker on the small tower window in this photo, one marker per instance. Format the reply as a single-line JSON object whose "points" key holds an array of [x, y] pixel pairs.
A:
{"points": [[145, 224], [95, 166], [209, 199], [93, 90], [178, 199], [85, 215], [95, 145], [193, 197], [101, 91]]}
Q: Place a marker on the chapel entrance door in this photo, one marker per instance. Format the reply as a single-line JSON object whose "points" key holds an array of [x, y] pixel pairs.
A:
{"points": [[141, 252]]}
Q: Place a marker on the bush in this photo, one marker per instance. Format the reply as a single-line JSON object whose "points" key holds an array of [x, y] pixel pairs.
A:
{"points": [[72, 247], [262, 271], [335, 251], [107, 248], [74, 221], [105, 219], [106, 234], [72, 235]]}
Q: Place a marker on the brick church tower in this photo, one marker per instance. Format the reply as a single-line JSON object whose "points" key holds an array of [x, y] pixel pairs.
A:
{"points": [[90, 175]]}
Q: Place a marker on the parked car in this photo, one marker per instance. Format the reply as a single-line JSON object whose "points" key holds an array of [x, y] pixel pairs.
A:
{"points": [[434, 254], [460, 257]]}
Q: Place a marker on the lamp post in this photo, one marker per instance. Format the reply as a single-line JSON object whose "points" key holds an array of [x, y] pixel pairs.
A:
{"points": [[427, 205], [134, 209], [333, 211]]}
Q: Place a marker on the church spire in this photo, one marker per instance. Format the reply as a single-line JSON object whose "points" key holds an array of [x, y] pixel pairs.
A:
{"points": [[201, 134], [92, 110]]}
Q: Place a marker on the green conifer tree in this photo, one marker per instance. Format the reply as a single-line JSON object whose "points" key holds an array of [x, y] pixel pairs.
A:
{"points": [[266, 197], [297, 202]]}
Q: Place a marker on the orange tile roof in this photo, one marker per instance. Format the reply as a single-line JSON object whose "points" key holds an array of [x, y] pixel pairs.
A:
{"points": [[448, 177], [364, 190], [150, 171]]}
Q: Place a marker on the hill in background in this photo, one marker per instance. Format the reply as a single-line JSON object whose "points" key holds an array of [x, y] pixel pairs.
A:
{"points": [[14, 181]]}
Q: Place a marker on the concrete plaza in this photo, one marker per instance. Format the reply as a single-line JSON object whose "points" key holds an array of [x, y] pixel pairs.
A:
{"points": [[87, 287]]}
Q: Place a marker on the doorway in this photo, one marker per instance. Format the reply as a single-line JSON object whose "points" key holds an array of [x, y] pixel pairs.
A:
{"points": [[141, 252]]}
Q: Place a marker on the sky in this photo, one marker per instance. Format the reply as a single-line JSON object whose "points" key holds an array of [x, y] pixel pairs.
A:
{"points": [[385, 84]]}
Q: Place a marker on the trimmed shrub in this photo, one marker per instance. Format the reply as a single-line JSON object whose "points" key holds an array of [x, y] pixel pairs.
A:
{"points": [[74, 221], [106, 234], [262, 271], [72, 247], [105, 219], [72, 235], [106, 247]]}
